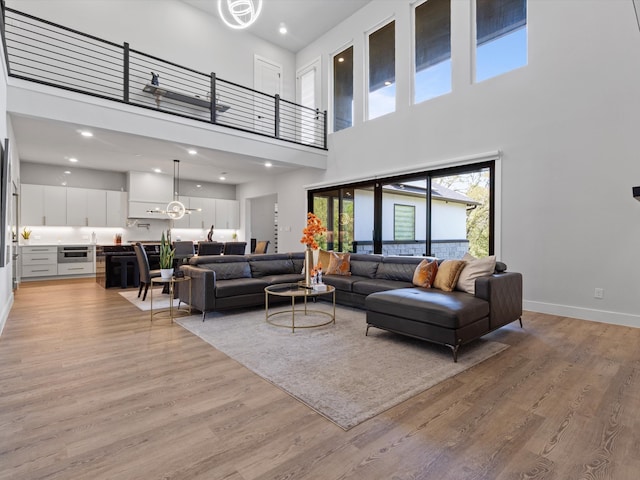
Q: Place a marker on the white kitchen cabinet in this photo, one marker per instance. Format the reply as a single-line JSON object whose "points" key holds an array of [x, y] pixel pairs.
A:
{"points": [[204, 218], [86, 207], [116, 208], [227, 214], [43, 205], [39, 261]]}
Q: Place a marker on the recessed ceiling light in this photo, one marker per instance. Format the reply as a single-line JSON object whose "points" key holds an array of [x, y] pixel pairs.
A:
{"points": [[223, 178], [157, 170], [198, 186], [192, 151], [268, 164], [282, 29], [67, 172], [73, 160], [86, 133]]}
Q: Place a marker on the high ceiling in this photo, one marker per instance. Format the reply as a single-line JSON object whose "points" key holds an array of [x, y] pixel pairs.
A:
{"points": [[306, 20], [56, 142]]}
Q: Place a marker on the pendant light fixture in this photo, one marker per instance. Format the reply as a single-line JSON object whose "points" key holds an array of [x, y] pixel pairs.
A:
{"points": [[239, 14], [175, 209]]}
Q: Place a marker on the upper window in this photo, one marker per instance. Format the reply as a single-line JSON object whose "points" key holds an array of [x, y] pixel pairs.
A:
{"points": [[501, 40], [343, 90], [433, 49], [382, 71]]}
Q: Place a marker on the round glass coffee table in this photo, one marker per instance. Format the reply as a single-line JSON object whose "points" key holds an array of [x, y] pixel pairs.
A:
{"points": [[294, 291]]}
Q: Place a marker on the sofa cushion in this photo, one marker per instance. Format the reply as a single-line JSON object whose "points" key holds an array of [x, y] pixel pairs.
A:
{"points": [[448, 273], [239, 286], [368, 286], [364, 268], [427, 305], [398, 268], [229, 270], [425, 273], [270, 266], [339, 264], [474, 268], [341, 282]]}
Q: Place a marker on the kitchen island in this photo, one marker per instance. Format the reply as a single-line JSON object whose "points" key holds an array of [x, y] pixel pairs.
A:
{"points": [[116, 265]]}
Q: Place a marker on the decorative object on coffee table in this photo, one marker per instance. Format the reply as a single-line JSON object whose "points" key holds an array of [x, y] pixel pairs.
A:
{"points": [[314, 227]]}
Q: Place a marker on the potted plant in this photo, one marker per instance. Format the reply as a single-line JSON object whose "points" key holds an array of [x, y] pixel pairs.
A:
{"points": [[166, 256], [26, 234]]}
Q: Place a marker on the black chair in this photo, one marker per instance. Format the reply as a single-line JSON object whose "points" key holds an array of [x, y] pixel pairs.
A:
{"points": [[183, 251], [235, 248], [262, 246], [145, 273], [210, 248]]}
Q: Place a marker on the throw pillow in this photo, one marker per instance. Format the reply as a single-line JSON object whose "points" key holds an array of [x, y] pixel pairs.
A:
{"points": [[425, 273], [474, 268], [339, 264], [447, 275], [324, 258]]}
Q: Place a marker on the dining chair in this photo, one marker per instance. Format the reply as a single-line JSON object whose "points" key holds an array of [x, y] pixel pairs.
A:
{"points": [[235, 248], [145, 273], [183, 251], [261, 246], [210, 248]]}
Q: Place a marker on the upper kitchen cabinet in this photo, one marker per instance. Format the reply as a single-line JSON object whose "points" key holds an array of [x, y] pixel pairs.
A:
{"points": [[43, 205], [68, 206], [227, 214], [148, 191]]}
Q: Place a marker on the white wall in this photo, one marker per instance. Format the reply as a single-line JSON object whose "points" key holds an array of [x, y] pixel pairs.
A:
{"points": [[567, 128], [170, 30]]}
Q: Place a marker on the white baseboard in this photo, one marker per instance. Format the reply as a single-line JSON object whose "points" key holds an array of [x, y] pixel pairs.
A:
{"points": [[614, 318], [5, 312]]}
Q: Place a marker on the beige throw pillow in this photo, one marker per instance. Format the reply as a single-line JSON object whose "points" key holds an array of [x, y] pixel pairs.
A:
{"points": [[425, 273], [474, 268], [448, 273], [339, 264]]}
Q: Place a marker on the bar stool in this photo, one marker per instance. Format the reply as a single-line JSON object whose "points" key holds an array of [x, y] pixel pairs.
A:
{"points": [[125, 261]]}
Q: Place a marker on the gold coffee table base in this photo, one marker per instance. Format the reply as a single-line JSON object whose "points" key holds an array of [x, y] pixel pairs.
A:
{"points": [[294, 291]]}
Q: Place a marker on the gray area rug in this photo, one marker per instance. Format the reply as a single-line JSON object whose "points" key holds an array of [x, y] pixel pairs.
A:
{"points": [[336, 370]]}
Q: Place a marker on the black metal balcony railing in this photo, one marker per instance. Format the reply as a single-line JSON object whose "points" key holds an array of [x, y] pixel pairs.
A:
{"points": [[51, 54]]}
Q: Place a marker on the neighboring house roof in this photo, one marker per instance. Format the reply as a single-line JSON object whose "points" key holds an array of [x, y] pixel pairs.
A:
{"points": [[439, 192]]}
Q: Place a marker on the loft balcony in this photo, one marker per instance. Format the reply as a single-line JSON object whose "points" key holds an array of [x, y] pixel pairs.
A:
{"points": [[51, 55]]}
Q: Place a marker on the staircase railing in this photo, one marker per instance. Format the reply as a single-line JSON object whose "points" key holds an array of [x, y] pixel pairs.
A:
{"points": [[47, 53]]}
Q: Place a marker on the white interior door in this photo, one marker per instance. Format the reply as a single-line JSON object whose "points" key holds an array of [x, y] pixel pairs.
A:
{"points": [[267, 79], [308, 95]]}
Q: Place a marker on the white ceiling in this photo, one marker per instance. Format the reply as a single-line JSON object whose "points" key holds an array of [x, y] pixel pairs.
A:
{"points": [[55, 142], [306, 20]]}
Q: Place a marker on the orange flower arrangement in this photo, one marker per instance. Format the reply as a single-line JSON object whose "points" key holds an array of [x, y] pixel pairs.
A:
{"points": [[314, 227]]}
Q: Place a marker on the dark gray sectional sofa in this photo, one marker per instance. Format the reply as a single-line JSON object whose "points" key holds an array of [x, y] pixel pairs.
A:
{"points": [[381, 285]]}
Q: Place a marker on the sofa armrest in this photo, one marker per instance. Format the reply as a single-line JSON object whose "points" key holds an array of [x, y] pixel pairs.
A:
{"points": [[503, 291], [203, 284]]}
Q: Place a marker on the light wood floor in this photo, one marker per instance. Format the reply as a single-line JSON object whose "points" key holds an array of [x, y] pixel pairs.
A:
{"points": [[89, 389]]}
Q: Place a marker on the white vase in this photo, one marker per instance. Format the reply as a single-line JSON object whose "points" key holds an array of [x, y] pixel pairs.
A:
{"points": [[166, 273]]}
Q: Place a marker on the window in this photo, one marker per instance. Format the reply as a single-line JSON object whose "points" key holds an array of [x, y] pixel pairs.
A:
{"points": [[501, 37], [343, 90], [382, 71], [404, 222], [443, 213], [432, 49]]}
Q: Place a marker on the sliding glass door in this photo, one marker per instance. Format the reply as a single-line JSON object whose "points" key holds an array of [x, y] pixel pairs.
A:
{"points": [[442, 213]]}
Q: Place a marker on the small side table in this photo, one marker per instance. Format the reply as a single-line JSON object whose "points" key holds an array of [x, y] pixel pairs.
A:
{"points": [[171, 312]]}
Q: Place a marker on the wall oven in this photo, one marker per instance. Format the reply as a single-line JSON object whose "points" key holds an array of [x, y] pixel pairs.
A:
{"points": [[75, 254]]}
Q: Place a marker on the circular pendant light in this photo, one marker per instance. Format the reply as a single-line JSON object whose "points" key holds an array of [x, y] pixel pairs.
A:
{"points": [[239, 14]]}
